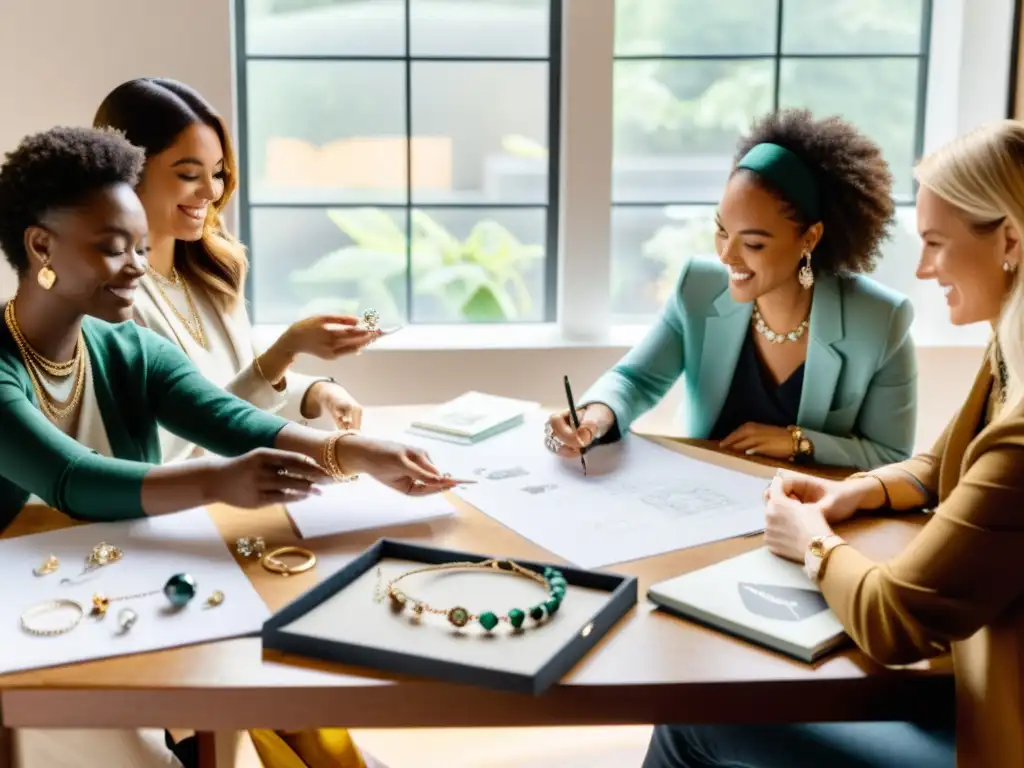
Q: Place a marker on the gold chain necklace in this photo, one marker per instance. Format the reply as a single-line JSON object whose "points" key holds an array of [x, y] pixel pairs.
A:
{"points": [[194, 326], [774, 336], [60, 370], [48, 404]]}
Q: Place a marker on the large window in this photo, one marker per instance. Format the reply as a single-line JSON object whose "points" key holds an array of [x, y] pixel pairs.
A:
{"points": [[689, 76], [401, 155]]}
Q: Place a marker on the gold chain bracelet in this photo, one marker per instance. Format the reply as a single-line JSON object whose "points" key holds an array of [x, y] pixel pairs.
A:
{"points": [[329, 459], [551, 579]]}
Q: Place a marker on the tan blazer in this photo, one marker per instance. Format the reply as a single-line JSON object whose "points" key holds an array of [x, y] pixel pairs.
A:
{"points": [[239, 377], [959, 584]]}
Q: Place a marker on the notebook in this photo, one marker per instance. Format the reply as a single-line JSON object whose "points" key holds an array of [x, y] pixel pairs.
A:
{"points": [[472, 417], [759, 597]]}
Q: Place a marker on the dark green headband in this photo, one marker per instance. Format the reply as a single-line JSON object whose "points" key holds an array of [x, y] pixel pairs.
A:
{"points": [[787, 172]]}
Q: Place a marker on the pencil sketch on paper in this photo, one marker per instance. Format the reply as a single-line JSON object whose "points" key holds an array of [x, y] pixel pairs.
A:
{"points": [[685, 501], [501, 474], [537, 490]]}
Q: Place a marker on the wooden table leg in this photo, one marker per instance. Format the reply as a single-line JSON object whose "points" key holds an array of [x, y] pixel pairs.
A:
{"points": [[217, 749], [6, 747]]}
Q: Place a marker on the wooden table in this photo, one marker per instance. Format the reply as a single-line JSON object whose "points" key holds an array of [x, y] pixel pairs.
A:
{"points": [[651, 668]]}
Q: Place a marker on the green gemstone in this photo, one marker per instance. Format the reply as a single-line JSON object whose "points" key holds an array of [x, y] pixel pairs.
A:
{"points": [[537, 612], [558, 581], [551, 606], [515, 618], [488, 620], [557, 590], [180, 589], [458, 616], [549, 572]]}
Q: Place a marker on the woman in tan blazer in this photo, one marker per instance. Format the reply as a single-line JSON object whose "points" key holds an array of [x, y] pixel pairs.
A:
{"points": [[959, 585]]}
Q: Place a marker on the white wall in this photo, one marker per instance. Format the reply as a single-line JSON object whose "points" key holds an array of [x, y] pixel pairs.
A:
{"points": [[58, 58]]}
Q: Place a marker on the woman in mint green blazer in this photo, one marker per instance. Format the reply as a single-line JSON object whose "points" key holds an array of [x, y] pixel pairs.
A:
{"points": [[785, 349]]}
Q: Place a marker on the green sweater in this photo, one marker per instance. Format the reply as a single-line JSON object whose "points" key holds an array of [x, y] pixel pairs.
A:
{"points": [[141, 380]]}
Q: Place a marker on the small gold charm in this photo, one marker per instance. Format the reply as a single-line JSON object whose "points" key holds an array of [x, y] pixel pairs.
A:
{"points": [[100, 604], [49, 565], [104, 554], [215, 599]]}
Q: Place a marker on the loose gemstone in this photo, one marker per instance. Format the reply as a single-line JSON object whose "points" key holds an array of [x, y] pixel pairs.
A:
{"points": [[180, 589], [488, 620], [537, 612], [459, 616], [515, 618]]}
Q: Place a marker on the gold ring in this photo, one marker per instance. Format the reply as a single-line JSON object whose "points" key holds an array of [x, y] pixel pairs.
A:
{"points": [[271, 562]]}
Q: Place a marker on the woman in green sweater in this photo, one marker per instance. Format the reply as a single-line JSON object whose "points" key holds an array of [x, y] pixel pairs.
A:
{"points": [[82, 398]]}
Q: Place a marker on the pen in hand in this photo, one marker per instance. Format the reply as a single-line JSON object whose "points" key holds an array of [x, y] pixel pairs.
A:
{"points": [[575, 419]]}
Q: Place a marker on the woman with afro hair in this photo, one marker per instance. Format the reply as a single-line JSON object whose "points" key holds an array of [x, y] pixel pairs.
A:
{"points": [[788, 350]]}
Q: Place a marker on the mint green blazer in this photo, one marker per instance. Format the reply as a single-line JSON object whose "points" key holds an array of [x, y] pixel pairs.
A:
{"points": [[859, 399]]}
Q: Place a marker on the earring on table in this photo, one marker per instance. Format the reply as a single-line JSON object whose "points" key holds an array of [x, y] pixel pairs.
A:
{"points": [[250, 546], [49, 565], [100, 555], [806, 274]]}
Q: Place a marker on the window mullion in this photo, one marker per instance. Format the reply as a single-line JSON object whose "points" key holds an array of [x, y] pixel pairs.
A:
{"points": [[584, 284]]}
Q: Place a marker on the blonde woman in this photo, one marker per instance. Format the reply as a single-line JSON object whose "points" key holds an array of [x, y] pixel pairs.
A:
{"points": [[192, 292], [959, 585]]}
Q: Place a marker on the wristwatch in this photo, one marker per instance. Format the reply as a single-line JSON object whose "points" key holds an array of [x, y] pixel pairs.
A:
{"points": [[803, 448], [817, 553]]}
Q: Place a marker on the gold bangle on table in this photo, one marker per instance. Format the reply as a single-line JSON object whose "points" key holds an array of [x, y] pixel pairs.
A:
{"points": [[271, 562], [47, 607]]}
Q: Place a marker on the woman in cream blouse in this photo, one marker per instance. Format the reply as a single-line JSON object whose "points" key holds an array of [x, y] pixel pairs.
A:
{"points": [[959, 586], [192, 293]]}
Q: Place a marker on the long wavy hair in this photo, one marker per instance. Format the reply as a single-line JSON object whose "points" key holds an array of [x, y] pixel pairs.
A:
{"points": [[982, 174], [152, 112]]}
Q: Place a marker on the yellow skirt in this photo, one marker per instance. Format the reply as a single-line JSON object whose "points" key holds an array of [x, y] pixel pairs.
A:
{"points": [[323, 748]]}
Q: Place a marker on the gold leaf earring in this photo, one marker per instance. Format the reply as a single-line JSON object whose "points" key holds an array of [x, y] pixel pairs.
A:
{"points": [[49, 565], [806, 275], [46, 277]]}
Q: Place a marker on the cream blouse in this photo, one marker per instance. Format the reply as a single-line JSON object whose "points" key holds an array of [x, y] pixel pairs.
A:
{"points": [[227, 359]]}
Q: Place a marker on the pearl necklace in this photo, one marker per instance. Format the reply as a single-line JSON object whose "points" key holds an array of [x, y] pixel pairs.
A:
{"points": [[773, 336]]}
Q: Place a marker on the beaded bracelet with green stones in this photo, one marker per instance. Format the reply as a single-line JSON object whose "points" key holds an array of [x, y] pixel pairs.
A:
{"points": [[551, 578]]}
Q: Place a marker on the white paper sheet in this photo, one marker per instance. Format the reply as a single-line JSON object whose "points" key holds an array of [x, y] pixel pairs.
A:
{"points": [[637, 500], [362, 505], [154, 549]]}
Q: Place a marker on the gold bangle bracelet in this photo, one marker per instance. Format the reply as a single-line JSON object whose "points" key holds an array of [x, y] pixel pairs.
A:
{"points": [[52, 605], [271, 562]]}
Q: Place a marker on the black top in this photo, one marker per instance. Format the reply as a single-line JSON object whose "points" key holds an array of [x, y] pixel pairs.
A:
{"points": [[753, 396]]}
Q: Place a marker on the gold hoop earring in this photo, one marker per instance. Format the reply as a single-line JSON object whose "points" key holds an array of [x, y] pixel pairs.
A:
{"points": [[806, 275], [46, 277]]}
